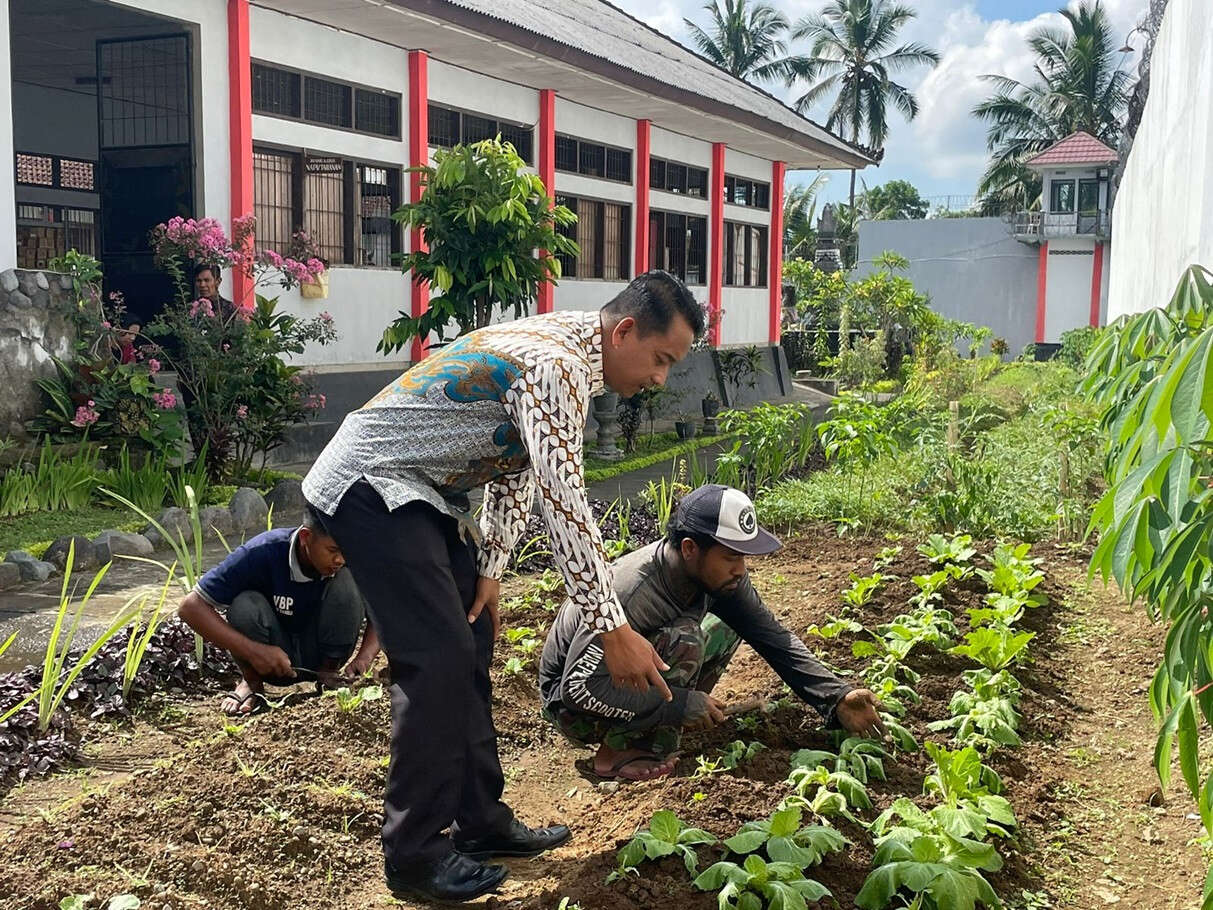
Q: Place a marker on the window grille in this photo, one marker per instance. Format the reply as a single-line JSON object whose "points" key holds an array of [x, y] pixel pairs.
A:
{"points": [[616, 231], [324, 206], [477, 129], [81, 230], [377, 113], [144, 89], [656, 173], [521, 137], [591, 159], [619, 165], [675, 177], [697, 250], [378, 191], [762, 195], [327, 102], [568, 264], [36, 170], [273, 198], [697, 182], [589, 233], [443, 126], [745, 255], [566, 154], [276, 91]]}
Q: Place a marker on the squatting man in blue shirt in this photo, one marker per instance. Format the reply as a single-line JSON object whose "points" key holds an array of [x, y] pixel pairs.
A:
{"points": [[292, 612], [691, 596]]}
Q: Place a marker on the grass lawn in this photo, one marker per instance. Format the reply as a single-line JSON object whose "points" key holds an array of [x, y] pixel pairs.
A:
{"points": [[649, 451], [36, 531]]}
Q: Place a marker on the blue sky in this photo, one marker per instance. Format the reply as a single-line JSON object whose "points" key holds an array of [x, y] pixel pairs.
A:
{"points": [[942, 151]]}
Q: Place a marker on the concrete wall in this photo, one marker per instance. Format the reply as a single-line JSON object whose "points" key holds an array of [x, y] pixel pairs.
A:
{"points": [[972, 269], [1163, 219], [1068, 285], [34, 324], [8, 186]]}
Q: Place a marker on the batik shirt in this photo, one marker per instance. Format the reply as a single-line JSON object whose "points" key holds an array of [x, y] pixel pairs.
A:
{"points": [[503, 407]]}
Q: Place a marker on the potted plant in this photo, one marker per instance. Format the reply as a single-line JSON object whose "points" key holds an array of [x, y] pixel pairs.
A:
{"points": [[684, 426]]}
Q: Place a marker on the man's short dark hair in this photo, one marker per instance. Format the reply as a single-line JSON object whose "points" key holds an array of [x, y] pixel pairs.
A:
{"points": [[314, 521], [653, 299], [215, 271], [676, 535]]}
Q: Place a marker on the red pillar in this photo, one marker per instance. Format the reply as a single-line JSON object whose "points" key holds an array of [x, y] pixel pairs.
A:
{"points": [[1042, 284], [419, 155], [775, 258], [1096, 284], [640, 262], [240, 131], [547, 172], [716, 232]]}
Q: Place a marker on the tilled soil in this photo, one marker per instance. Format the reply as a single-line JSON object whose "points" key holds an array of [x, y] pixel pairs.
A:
{"points": [[284, 810]]}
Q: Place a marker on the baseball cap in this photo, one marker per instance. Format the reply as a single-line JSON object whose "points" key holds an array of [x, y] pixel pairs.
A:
{"points": [[727, 516]]}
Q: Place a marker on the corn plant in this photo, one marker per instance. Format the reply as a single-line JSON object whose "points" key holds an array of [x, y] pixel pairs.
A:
{"points": [[756, 884], [785, 840], [665, 836], [140, 638], [663, 496]]}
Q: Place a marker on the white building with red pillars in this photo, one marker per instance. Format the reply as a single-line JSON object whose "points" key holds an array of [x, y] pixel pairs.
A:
{"points": [[1072, 230], [121, 114]]}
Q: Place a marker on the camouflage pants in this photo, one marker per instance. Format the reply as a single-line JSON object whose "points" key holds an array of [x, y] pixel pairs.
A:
{"points": [[697, 654]]}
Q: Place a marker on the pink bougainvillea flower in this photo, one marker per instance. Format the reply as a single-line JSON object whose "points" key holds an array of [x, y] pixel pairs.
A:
{"points": [[153, 366]]}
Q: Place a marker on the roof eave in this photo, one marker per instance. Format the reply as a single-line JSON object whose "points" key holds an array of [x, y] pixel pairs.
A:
{"points": [[843, 153]]}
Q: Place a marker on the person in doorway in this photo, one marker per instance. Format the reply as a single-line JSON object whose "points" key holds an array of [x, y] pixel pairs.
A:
{"points": [[123, 343], [502, 407], [207, 279], [291, 613], [691, 596]]}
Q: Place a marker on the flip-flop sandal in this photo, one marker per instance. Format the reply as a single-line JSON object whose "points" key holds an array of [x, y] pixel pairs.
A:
{"points": [[260, 704], [587, 769]]}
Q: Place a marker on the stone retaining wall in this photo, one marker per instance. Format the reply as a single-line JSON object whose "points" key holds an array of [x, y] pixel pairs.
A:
{"points": [[35, 309]]}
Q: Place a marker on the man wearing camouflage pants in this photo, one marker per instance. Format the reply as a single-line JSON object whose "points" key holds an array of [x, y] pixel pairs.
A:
{"points": [[691, 596]]}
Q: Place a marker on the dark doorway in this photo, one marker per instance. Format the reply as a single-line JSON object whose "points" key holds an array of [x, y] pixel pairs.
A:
{"points": [[146, 168]]}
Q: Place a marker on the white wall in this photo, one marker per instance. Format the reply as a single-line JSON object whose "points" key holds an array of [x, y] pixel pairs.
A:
{"points": [[1068, 285], [1163, 218], [457, 87], [746, 316], [585, 295], [8, 185]]}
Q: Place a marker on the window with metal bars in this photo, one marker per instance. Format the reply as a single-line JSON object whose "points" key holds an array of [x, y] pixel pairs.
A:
{"points": [[277, 91], [566, 154], [47, 231], [603, 232], [449, 127], [327, 102], [619, 165], [144, 92], [345, 206], [674, 177], [656, 174], [377, 113], [678, 244], [745, 255], [697, 182], [753, 193], [593, 159]]}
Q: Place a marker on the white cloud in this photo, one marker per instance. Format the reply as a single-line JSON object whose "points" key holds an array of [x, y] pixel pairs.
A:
{"points": [[943, 149]]}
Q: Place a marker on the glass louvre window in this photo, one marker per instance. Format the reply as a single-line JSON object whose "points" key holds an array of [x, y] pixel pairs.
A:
{"points": [[273, 198], [443, 126], [276, 91], [327, 102], [377, 113]]}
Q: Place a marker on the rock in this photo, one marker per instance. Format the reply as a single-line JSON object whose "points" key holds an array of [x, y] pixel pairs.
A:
{"points": [[40, 280], [287, 498], [176, 522], [10, 575], [216, 520], [35, 570], [85, 558], [8, 280], [20, 299], [249, 510], [19, 556], [109, 544], [65, 282]]}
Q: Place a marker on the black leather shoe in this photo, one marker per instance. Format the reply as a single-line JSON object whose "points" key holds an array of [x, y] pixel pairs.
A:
{"points": [[455, 878], [519, 840]]}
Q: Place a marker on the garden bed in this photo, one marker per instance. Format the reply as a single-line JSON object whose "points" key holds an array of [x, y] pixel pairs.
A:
{"points": [[284, 810]]}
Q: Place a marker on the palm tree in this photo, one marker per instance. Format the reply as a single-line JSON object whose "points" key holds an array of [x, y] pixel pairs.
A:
{"points": [[747, 39], [1079, 85], [852, 54], [799, 213]]}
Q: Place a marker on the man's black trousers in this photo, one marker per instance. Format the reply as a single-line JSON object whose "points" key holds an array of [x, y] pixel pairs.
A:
{"points": [[419, 581]]}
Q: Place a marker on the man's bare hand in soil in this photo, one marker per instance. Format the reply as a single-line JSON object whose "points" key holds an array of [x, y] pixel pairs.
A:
{"points": [[633, 662], [703, 711], [857, 713], [268, 660]]}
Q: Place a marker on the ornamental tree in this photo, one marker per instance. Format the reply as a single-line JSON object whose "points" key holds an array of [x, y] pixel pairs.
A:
{"points": [[482, 217]]}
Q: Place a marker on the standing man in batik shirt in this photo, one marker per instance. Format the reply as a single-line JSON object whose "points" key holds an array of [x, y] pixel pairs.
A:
{"points": [[503, 407]]}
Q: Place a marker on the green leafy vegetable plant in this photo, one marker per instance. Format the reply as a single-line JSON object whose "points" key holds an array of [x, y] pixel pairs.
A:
{"points": [[862, 589], [954, 550], [786, 840], [994, 647], [730, 757], [757, 884], [665, 836], [351, 700]]}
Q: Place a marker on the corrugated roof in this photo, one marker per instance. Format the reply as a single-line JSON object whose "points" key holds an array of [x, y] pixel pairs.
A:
{"points": [[1077, 148], [597, 28]]}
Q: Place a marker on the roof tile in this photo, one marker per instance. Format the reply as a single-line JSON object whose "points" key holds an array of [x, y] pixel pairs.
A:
{"points": [[1077, 148]]}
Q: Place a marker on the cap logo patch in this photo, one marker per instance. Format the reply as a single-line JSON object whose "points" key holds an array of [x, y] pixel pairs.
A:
{"points": [[747, 520]]}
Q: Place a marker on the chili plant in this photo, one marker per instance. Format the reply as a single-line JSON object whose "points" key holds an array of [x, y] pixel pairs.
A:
{"points": [[665, 836]]}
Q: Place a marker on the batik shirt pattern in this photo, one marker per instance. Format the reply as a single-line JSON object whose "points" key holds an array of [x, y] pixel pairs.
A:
{"points": [[503, 407]]}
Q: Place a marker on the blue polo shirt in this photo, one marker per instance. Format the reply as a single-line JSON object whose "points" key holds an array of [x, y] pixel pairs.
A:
{"points": [[268, 565]]}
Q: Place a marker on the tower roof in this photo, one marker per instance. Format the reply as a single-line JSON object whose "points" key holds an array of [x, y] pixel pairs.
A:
{"points": [[1076, 149]]}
